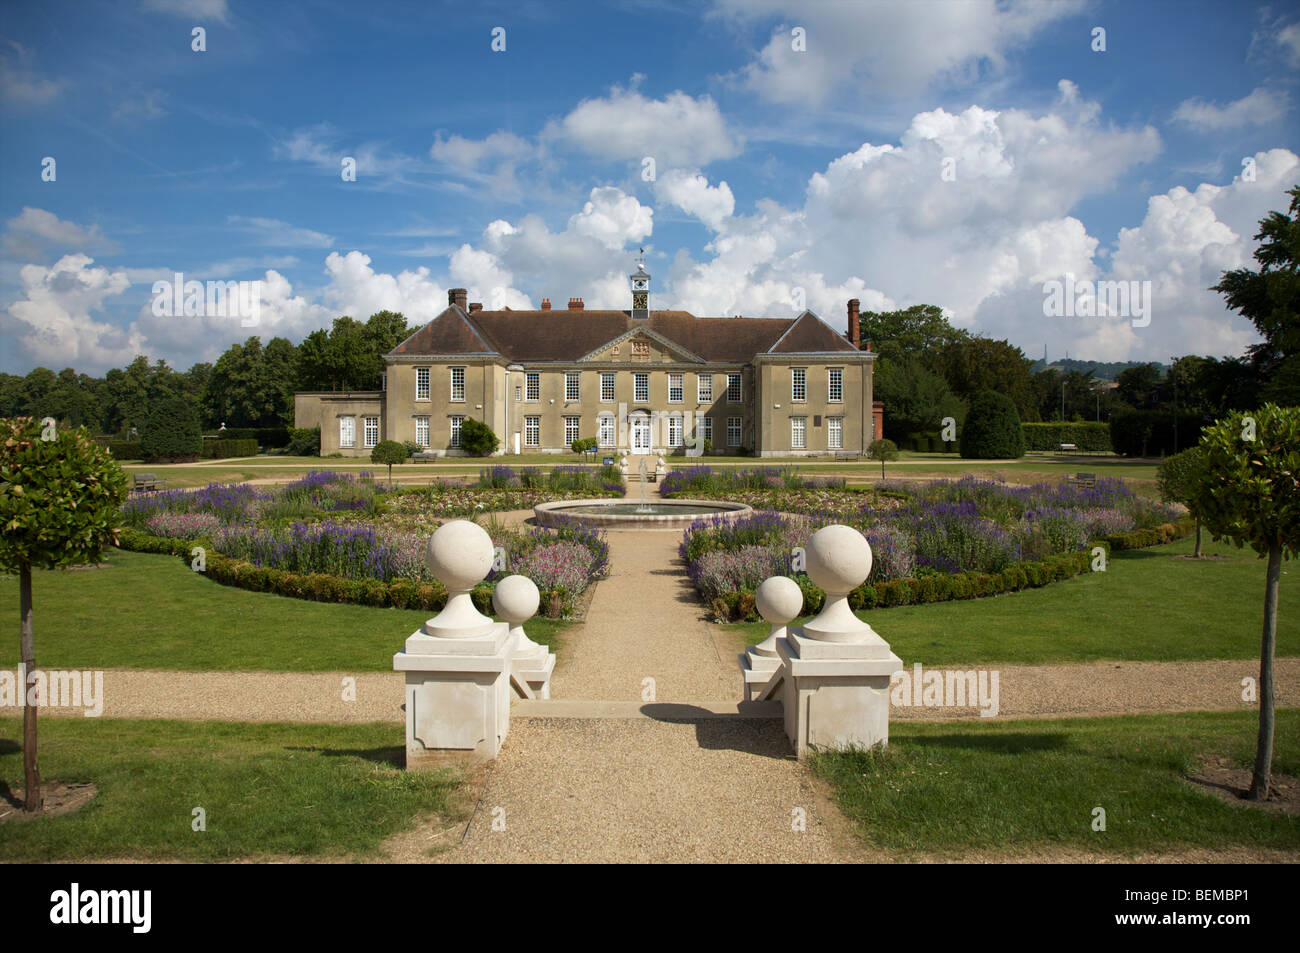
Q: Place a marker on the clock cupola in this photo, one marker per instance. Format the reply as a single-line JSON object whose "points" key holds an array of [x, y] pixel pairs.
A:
{"points": [[640, 280]]}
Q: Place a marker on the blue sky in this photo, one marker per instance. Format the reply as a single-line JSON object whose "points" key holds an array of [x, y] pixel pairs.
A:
{"points": [[781, 175]]}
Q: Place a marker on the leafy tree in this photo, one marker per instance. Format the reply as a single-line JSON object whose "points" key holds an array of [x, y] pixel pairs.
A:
{"points": [[389, 452], [251, 386], [920, 331], [915, 399], [1249, 492], [882, 450], [974, 364], [992, 429], [1139, 387], [1270, 298], [477, 438], [1176, 478], [59, 502], [171, 432], [304, 442]]}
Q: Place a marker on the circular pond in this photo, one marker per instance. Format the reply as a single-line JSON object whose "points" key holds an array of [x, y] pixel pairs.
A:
{"points": [[616, 514]]}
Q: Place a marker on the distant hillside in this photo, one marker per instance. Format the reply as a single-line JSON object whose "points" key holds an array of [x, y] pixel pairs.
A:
{"points": [[1106, 370]]}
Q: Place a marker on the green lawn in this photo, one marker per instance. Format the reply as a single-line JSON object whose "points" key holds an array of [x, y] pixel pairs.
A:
{"points": [[265, 789], [1025, 785], [147, 611], [1149, 605]]}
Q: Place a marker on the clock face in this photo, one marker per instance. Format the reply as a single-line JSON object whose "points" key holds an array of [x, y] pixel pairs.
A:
{"points": [[640, 301]]}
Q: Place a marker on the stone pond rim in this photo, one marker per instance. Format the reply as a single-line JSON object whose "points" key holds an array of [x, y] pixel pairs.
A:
{"points": [[621, 514]]}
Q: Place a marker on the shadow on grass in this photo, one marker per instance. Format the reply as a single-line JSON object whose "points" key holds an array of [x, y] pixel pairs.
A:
{"points": [[394, 756], [9, 747]]}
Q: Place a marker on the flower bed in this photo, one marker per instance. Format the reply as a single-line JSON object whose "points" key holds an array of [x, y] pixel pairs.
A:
{"points": [[942, 540]]}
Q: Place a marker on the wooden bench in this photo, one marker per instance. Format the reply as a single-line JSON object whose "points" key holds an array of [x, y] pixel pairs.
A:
{"points": [[848, 454], [1067, 446], [1087, 480], [142, 482]]}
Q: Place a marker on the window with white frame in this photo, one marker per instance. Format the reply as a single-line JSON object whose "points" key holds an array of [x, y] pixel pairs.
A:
{"points": [[605, 431], [704, 429], [675, 389], [421, 383], [607, 387], [422, 431], [798, 384], [798, 433], [733, 431], [704, 388], [641, 387], [458, 384], [834, 433], [674, 431], [733, 389], [572, 429], [371, 431], [347, 432], [835, 385], [456, 423], [533, 386], [532, 431], [572, 390]]}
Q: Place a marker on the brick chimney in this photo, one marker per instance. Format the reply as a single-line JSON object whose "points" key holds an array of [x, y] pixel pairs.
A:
{"points": [[546, 304], [475, 306], [854, 304], [575, 304], [458, 297]]}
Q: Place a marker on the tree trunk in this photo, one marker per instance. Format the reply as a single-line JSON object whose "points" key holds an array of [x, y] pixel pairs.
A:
{"points": [[31, 775], [1196, 554], [1264, 747]]}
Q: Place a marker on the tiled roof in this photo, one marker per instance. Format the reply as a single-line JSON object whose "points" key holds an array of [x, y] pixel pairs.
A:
{"points": [[563, 335]]}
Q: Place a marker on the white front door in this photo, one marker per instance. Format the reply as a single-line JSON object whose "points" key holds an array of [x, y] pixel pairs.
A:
{"points": [[640, 427]]}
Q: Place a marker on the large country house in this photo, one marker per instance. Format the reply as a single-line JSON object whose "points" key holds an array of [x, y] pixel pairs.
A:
{"points": [[638, 381]]}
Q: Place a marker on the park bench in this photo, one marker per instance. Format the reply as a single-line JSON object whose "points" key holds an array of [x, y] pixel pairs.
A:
{"points": [[146, 481], [1067, 446], [847, 454], [1086, 480]]}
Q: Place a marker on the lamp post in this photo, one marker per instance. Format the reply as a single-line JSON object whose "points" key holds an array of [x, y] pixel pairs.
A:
{"points": [[1062, 399]]}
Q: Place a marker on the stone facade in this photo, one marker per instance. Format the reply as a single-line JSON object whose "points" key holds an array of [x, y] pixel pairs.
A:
{"points": [[653, 383]]}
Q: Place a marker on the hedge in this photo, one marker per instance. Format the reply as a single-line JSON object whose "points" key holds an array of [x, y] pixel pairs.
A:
{"points": [[271, 438], [319, 587], [221, 449], [739, 605], [1050, 436], [125, 449], [1150, 433]]}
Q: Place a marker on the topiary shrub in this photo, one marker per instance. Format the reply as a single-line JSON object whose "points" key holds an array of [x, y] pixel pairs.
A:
{"points": [[477, 438], [171, 433], [992, 429]]}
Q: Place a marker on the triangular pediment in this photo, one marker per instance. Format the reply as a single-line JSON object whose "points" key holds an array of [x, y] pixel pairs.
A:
{"points": [[641, 344], [810, 334]]}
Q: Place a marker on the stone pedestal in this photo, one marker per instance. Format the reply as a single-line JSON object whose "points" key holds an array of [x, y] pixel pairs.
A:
{"points": [[458, 664], [834, 674], [516, 600], [457, 695], [778, 600]]}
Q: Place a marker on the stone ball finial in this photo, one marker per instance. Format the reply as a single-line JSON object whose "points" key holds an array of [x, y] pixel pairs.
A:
{"points": [[460, 554], [838, 559], [516, 599], [778, 599]]}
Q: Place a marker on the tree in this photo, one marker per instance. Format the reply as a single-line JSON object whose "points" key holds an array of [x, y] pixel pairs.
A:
{"points": [[172, 432], [389, 452], [477, 438], [921, 331], [992, 429], [974, 364], [1139, 387], [1176, 478], [59, 500], [1270, 298], [1249, 492], [915, 399], [883, 450]]}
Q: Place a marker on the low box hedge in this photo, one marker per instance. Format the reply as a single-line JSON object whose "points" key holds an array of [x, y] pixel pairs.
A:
{"points": [[1084, 435], [222, 449]]}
